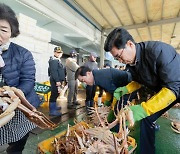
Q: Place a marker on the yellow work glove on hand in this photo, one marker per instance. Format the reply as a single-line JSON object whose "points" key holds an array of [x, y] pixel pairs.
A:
{"points": [[156, 103]]}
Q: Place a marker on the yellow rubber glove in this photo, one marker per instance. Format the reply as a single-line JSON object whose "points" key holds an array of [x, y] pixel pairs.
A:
{"points": [[159, 101], [156, 103], [131, 87]]}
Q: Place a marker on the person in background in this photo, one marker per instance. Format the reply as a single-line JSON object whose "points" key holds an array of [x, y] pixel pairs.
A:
{"points": [[71, 67], [117, 67], [107, 79], [122, 67], [153, 64], [107, 65], [57, 77], [17, 69], [91, 89]]}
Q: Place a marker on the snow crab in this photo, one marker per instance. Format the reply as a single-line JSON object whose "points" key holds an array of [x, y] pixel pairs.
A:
{"points": [[92, 140], [98, 116], [98, 139], [12, 98], [7, 111]]}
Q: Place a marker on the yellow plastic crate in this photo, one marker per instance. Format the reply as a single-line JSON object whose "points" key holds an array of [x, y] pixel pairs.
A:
{"points": [[45, 147]]}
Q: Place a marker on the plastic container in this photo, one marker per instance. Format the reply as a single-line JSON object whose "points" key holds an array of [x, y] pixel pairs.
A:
{"points": [[45, 147]]}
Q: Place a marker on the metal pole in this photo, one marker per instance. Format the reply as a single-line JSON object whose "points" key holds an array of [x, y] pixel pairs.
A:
{"points": [[102, 50]]}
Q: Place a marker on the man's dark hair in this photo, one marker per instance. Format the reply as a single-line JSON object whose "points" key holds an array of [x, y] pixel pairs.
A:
{"points": [[6, 13], [117, 38], [82, 71]]}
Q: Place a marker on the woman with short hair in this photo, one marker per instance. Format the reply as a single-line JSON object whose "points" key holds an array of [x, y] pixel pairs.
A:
{"points": [[17, 69]]}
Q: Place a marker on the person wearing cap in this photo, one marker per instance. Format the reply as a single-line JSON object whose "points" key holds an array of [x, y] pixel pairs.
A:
{"points": [[91, 89], [71, 67], [57, 76], [153, 64]]}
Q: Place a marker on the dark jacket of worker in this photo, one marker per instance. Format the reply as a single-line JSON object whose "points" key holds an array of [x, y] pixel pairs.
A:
{"points": [[110, 79]]}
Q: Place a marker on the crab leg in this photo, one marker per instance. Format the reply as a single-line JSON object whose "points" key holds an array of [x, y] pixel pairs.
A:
{"points": [[100, 120], [124, 125], [4, 120], [130, 117], [41, 121], [79, 140], [37, 115], [40, 114], [29, 106], [68, 131], [38, 118], [114, 123], [10, 108], [23, 99]]}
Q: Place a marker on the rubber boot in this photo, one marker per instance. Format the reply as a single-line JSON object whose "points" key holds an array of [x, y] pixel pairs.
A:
{"points": [[53, 109]]}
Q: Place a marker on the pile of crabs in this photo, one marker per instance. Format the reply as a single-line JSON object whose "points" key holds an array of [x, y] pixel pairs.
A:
{"points": [[96, 137]]}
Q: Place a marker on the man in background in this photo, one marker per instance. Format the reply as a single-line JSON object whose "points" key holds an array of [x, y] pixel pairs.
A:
{"points": [[71, 67], [91, 89], [56, 71]]}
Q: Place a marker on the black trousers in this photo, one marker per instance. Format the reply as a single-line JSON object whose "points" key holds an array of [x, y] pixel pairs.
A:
{"points": [[17, 147], [147, 131], [90, 92], [54, 91]]}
